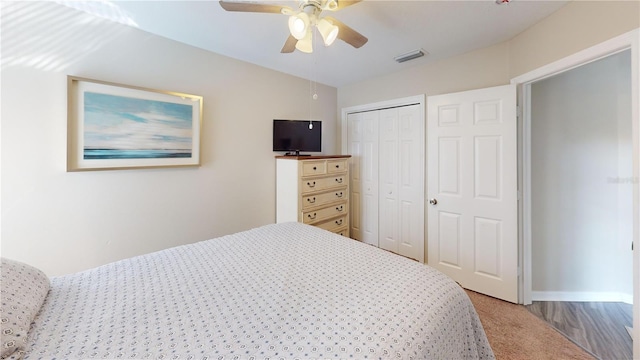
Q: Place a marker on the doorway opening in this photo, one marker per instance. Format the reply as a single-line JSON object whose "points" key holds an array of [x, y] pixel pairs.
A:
{"points": [[582, 208], [627, 42]]}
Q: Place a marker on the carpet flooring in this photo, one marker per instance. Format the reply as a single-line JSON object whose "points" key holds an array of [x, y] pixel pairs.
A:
{"points": [[515, 333]]}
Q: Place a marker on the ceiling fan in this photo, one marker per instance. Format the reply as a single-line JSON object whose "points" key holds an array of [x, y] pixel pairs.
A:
{"points": [[303, 20]]}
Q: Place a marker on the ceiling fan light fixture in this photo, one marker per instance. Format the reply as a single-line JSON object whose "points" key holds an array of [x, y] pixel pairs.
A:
{"points": [[328, 31], [298, 25], [306, 43], [331, 5], [303, 21]]}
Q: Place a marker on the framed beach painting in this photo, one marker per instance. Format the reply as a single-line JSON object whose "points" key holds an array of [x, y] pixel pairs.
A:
{"points": [[113, 126]]}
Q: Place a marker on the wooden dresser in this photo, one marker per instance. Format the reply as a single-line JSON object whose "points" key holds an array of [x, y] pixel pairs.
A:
{"points": [[314, 190]]}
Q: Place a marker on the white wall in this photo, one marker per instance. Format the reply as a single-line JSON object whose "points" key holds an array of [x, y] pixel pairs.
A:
{"points": [[65, 222], [581, 181]]}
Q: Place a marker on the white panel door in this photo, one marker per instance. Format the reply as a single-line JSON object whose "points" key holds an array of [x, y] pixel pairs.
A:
{"points": [[355, 138], [401, 168], [411, 164], [363, 141], [472, 189], [388, 217]]}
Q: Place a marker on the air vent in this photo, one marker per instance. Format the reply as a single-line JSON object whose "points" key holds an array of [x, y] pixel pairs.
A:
{"points": [[410, 56]]}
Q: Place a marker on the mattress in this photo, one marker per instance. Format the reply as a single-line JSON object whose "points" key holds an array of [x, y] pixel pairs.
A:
{"points": [[281, 291]]}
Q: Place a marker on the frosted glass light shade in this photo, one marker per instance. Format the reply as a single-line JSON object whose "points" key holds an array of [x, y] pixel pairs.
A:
{"points": [[305, 44], [331, 5], [298, 25], [328, 31]]}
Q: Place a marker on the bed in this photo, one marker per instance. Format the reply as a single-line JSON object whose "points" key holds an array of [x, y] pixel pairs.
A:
{"points": [[281, 291]]}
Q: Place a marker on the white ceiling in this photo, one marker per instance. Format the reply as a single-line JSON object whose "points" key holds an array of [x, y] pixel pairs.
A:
{"points": [[441, 28]]}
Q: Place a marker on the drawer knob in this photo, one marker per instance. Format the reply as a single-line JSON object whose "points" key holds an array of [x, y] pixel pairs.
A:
{"points": [[340, 208], [311, 200], [339, 180], [337, 166], [311, 217], [311, 184], [314, 168], [339, 222], [339, 194]]}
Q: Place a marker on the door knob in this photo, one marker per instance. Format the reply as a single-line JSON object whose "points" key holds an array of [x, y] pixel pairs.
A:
{"points": [[433, 201]]}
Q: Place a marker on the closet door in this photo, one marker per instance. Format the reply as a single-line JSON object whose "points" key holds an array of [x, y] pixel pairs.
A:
{"points": [[401, 176], [411, 164], [388, 176], [369, 169], [363, 147], [355, 137]]}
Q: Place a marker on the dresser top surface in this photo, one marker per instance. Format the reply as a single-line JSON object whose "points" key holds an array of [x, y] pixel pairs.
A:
{"points": [[312, 157]]}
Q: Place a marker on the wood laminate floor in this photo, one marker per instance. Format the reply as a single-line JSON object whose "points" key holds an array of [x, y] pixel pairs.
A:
{"points": [[598, 327]]}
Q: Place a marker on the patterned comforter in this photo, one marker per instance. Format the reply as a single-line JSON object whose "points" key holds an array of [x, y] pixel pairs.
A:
{"points": [[283, 291]]}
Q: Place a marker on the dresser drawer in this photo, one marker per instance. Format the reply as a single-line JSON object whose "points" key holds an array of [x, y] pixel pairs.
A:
{"points": [[328, 182], [310, 168], [318, 199], [337, 166], [333, 224], [313, 216], [343, 231]]}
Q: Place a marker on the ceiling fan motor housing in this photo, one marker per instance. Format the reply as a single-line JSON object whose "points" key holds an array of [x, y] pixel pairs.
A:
{"points": [[317, 5]]}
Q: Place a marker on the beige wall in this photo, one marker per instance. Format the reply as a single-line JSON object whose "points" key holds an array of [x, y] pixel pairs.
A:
{"points": [[576, 26], [64, 222], [481, 68]]}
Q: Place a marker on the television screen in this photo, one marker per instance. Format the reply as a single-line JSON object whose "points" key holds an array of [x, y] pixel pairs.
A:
{"points": [[297, 135]]}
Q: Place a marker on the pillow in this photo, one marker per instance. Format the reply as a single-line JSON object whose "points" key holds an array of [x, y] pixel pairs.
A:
{"points": [[23, 289]]}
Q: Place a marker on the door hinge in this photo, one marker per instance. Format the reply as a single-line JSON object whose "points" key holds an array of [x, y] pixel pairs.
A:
{"points": [[519, 271], [519, 195], [518, 111]]}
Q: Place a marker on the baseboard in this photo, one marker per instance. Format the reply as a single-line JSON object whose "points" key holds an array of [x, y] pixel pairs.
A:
{"points": [[581, 296]]}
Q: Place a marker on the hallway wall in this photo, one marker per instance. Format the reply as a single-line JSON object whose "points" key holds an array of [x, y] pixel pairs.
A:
{"points": [[582, 183]]}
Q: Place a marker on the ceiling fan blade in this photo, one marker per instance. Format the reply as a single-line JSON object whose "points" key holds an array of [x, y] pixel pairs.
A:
{"points": [[289, 45], [253, 7], [344, 3], [348, 35]]}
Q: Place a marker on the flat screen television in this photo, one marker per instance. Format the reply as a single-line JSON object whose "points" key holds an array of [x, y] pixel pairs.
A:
{"points": [[294, 136]]}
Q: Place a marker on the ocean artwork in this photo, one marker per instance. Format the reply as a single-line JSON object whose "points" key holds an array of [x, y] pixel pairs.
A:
{"points": [[120, 127]]}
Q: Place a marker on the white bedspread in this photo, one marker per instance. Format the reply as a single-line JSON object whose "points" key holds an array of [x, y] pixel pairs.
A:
{"points": [[285, 291]]}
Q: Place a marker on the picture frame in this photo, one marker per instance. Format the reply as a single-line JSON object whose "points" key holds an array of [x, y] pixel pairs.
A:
{"points": [[114, 126]]}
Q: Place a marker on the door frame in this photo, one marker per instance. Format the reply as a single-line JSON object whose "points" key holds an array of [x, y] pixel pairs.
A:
{"points": [[626, 41], [405, 101]]}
